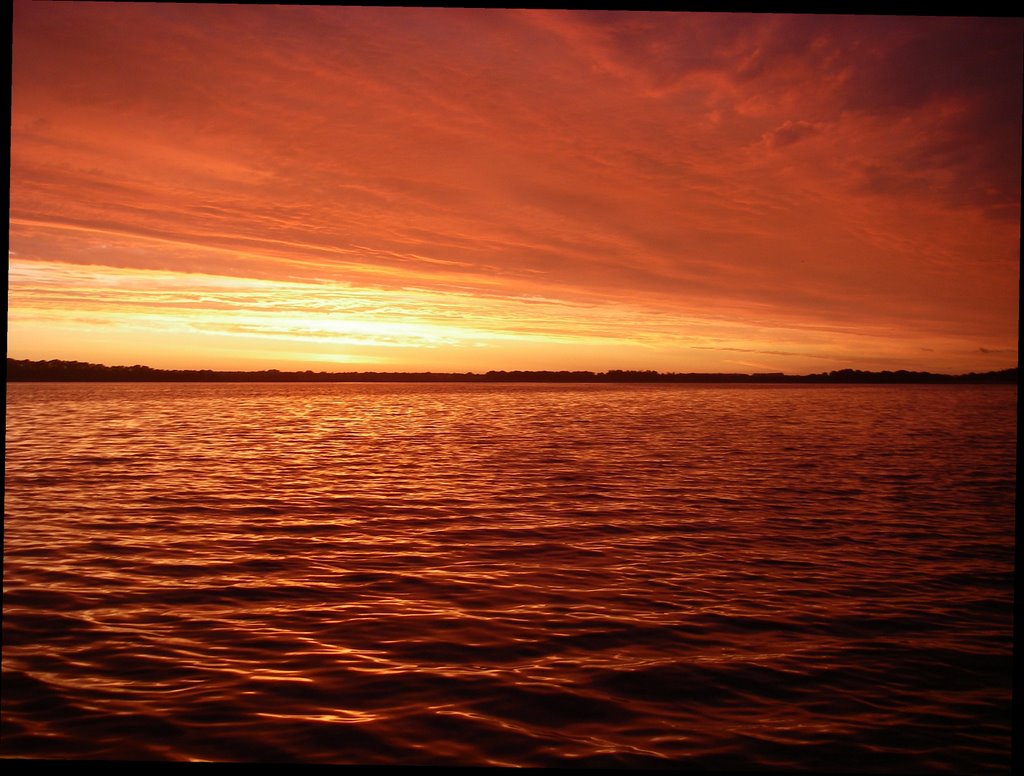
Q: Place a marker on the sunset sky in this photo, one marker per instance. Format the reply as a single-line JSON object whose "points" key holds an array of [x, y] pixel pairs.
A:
{"points": [[446, 189]]}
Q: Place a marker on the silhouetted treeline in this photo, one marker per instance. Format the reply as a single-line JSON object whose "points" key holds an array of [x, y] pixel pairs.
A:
{"points": [[62, 371]]}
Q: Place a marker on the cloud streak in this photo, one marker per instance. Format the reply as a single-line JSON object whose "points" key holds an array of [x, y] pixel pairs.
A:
{"points": [[808, 174]]}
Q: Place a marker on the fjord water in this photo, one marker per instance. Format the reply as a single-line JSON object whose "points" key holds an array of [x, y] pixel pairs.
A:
{"points": [[711, 577]]}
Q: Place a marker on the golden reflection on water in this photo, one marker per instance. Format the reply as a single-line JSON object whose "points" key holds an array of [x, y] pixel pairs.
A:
{"points": [[511, 575], [344, 716]]}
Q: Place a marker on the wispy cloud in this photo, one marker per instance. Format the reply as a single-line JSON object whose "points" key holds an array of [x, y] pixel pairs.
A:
{"points": [[767, 172]]}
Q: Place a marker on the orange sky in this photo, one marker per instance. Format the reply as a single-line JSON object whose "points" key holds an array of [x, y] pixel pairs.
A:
{"points": [[229, 186]]}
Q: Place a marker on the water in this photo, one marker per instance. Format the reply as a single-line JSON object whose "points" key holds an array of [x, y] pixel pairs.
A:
{"points": [[710, 577]]}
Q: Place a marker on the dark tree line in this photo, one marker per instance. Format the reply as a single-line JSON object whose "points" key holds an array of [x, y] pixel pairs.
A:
{"points": [[64, 371]]}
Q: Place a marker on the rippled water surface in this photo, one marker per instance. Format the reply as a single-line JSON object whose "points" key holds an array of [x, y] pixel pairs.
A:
{"points": [[713, 577]]}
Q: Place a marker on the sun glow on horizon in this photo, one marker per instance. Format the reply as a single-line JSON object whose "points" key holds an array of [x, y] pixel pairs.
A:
{"points": [[213, 321]]}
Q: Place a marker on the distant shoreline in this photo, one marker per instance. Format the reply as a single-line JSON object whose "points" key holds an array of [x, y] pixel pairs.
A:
{"points": [[22, 370]]}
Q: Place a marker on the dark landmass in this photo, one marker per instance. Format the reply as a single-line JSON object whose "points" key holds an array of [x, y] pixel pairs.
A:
{"points": [[77, 371]]}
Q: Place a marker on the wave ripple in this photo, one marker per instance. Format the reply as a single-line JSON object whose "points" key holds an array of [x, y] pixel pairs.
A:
{"points": [[814, 578]]}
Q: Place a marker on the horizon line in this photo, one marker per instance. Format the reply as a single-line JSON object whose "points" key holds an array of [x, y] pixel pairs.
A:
{"points": [[78, 369]]}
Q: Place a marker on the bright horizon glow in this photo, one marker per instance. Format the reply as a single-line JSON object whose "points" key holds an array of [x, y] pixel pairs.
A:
{"points": [[460, 190]]}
